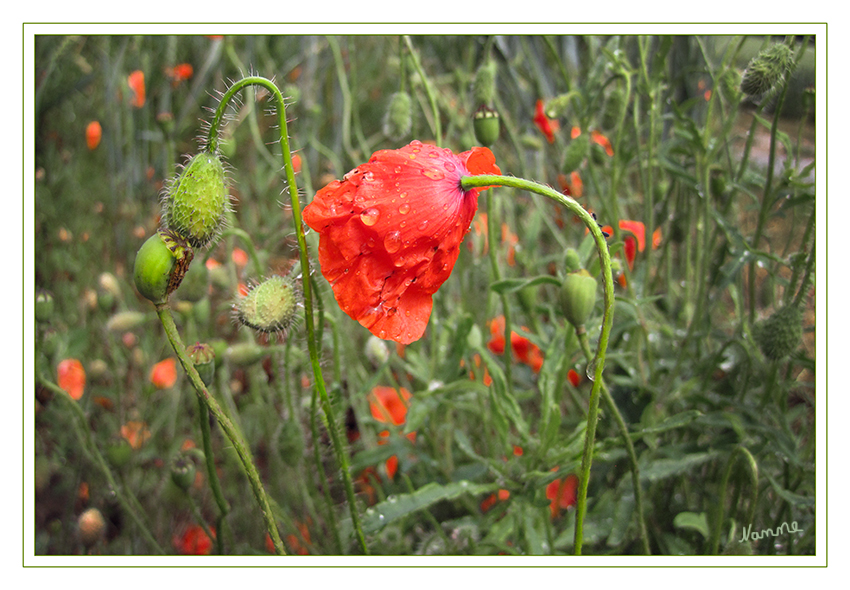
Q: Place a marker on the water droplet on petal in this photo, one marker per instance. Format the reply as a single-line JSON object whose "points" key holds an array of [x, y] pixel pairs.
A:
{"points": [[368, 176], [422, 225], [404, 209], [433, 174], [370, 216], [449, 166], [392, 242]]}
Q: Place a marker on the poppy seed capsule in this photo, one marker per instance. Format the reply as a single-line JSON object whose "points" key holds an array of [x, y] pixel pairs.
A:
{"points": [[202, 356], [197, 201], [485, 123], [781, 333], [578, 296], [271, 306], [160, 265], [183, 472]]}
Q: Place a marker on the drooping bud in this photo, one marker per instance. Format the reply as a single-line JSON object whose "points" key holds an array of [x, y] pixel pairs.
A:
{"points": [[160, 265], [202, 356], [271, 306], [196, 202], [767, 70], [399, 117], [485, 123], [484, 85], [781, 333], [576, 153]]}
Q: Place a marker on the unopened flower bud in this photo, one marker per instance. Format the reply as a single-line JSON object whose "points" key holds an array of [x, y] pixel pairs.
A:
{"points": [[767, 70], [576, 153], [160, 265], [578, 296], [272, 306], [124, 321], [781, 333], [484, 85], [485, 123], [183, 472], [202, 356], [399, 117], [245, 354], [196, 202]]}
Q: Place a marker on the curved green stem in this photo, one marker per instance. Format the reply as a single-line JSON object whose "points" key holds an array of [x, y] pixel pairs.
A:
{"points": [[627, 441], [307, 287], [239, 445], [597, 365]]}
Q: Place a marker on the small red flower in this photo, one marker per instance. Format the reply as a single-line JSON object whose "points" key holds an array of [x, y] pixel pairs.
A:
{"points": [[164, 374], [389, 405], [72, 377], [545, 124], [562, 493], [390, 233], [573, 377], [93, 134], [597, 137], [179, 73], [136, 82], [524, 350], [194, 541]]}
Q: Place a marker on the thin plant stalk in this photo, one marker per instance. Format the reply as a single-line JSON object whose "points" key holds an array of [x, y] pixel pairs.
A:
{"points": [[594, 370]]}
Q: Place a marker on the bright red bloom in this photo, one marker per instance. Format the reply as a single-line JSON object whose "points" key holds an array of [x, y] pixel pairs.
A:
{"points": [[524, 350], [164, 373], [179, 73], [72, 377], [136, 82], [194, 541], [389, 405], [93, 134], [545, 124], [390, 233], [562, 493]]}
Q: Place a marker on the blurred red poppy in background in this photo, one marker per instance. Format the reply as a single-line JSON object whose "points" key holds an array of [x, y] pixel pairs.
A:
{"points": [[136, 82], [72, 377]]}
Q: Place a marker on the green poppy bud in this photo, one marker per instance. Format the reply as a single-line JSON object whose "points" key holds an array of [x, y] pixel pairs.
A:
{"points": [[203, 357], [781, 333], [272, 306], [767, 70], [576, 153], [196, 202], [183, 472], [578, 296], [399, 117], [160, 265], [484, 85], [485, 122]]}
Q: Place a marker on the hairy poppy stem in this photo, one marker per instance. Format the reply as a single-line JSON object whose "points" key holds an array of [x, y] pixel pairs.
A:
{"points": [[307, 288], [596, 366]]}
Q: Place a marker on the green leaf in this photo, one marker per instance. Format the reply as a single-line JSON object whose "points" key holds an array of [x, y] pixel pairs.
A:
{"points": [[675, 421], [395, 507], [692, 521], [664, 468], [789, 496], [506, 286]]}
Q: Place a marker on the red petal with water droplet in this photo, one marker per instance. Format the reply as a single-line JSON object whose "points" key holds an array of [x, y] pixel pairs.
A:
{"points": [[390, 233]]}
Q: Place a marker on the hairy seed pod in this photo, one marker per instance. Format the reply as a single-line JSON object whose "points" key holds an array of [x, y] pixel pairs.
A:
{"points": [[576, 153], [196, 202], [781, 333], [578, 296], [398, 119], [484, 85], [271, 306], [767, 70]]}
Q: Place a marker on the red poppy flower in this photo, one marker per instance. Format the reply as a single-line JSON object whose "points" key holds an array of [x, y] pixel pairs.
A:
{"points": [[136, 82], [390, 233], [72, 377], [179, 73], [194, 541], [562, 493], [164, 373], [600, 139], [545, 124], [93, 134], [524, 350]]}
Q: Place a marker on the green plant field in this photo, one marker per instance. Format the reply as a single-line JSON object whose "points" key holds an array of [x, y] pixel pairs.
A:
{"points": [[674, 416]]}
